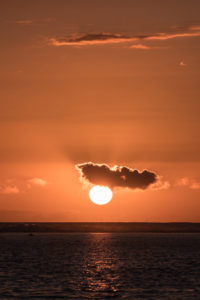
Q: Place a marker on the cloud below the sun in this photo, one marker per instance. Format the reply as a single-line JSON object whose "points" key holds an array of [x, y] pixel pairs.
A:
{"points": [[117, 176]]}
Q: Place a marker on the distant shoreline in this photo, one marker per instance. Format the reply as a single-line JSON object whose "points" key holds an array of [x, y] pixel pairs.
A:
{"points": [[120, 227]]}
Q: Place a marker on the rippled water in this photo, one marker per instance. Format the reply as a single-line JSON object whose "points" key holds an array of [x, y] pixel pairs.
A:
{"points": [[100, 266]]}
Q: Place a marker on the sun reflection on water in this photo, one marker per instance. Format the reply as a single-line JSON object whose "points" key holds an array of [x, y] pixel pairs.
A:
{"points": [[99, 265]]}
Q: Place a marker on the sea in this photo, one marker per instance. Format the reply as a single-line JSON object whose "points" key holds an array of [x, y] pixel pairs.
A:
{"points": [[100, 266]]}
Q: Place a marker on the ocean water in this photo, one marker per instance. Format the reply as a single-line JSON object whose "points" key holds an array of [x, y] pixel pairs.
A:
{"points": [[100, 266]]}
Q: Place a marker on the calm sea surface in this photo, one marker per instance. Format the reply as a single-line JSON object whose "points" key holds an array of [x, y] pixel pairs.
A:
{"points": [[100, 266]]}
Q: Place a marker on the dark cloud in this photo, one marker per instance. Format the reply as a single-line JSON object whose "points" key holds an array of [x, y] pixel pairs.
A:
{"points": [[118, 176], [97, 37], [90, 39]]}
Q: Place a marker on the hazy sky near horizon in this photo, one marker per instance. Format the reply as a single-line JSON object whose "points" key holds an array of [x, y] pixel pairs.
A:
{"points": [[107, 81]]}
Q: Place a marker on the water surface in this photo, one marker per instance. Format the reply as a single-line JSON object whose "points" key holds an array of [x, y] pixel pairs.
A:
{"points": [[100, 266]]}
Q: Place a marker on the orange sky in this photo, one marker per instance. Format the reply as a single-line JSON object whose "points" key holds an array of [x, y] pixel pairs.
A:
{"points": [[113, 82]]}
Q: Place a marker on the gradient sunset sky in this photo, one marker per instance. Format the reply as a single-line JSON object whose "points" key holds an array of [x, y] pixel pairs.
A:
{"points": [[113, 82]]}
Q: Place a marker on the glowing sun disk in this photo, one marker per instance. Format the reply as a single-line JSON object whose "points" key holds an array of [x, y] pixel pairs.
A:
{"points": [[100, 194]]}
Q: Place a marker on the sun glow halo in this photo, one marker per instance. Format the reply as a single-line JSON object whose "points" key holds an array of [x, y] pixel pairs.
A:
{"points": [[100, 194]]}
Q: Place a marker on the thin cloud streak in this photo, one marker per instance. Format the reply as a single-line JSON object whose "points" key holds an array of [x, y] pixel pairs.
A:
{"points": [[140, 47], [165, 36], [30, 21], [89, 39]]}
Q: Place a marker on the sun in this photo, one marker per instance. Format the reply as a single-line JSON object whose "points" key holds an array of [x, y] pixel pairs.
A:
{"points": [[100, 194]]}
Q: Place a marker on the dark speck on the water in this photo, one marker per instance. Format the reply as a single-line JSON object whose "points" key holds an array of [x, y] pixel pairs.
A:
{"points": [[100, 266]]}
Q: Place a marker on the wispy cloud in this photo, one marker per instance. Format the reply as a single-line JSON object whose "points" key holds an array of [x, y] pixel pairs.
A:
{"points": [[30, 21], [9, 189], [37, 181], [160, 184], [195, 27], [16, 186], [182, 64], [195, 186], [183, 181], [140, 47], [187, 182], [169, 36], [102, 38]]}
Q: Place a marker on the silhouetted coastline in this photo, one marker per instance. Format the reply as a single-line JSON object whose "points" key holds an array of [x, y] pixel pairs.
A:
{"points": [[99, 227]]}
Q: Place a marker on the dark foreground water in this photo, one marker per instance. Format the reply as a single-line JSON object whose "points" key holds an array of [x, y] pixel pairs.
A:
{"points": [[100, 266]]}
